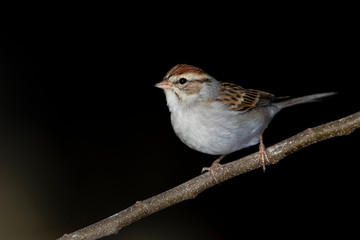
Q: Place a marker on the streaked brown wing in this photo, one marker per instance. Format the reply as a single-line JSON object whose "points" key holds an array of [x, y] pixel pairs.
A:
{"points": [[240, 99]]}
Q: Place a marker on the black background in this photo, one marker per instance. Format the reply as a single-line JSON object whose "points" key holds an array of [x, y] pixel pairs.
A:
{"points": [[84, 133]]}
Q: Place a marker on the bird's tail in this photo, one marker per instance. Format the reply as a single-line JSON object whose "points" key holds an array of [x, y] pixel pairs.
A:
{"points": [[304, 99]]}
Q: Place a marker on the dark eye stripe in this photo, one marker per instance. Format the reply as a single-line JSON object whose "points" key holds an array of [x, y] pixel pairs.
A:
{"points": [[202, 80], [195, 80]]}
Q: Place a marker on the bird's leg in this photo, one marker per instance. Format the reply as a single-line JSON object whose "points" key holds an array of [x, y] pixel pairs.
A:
{"points": [[213, 166], [263, 158]]}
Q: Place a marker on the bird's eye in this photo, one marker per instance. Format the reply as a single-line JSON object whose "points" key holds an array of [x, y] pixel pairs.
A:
{"points": [[182, 81]]}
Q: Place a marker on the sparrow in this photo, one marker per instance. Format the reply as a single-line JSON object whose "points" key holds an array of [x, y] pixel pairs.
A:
{"points": [[219, 118]]}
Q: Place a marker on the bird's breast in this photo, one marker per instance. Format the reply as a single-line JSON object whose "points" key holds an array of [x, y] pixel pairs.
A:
{"points": [[216, 131]]}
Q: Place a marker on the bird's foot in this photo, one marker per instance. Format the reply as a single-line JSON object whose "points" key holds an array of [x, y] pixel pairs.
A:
{"points": [[263, 158], [216, 164]]}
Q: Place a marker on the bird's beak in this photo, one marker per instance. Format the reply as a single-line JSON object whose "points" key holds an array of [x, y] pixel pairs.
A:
{"points": [[165, 84]]}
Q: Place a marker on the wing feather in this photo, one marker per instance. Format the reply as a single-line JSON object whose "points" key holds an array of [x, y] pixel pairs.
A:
{"points": [[240, 99]]}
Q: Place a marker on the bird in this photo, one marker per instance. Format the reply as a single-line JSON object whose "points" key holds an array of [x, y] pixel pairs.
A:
{"points": [[219, 118]]}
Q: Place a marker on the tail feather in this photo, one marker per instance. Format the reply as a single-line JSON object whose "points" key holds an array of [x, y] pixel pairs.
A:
{"points": [[305, 99]]}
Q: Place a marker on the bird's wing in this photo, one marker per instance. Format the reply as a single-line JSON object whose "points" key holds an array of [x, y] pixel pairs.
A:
{"points": [[240, 99]]}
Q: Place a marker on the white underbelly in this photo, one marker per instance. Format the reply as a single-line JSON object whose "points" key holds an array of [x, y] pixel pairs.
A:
{"points": [[217, 134]]}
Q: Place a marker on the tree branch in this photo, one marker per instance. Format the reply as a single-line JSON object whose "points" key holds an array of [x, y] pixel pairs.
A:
{"points": [[195, 186]]}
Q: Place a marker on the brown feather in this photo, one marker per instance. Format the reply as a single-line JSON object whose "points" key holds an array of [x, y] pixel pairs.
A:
{"points": [[240, 99], [184, 68]]}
